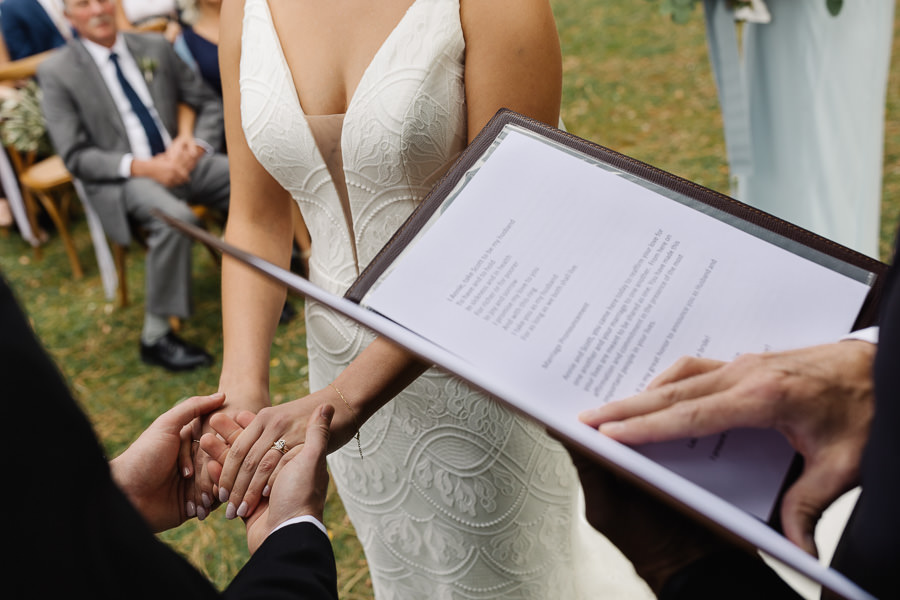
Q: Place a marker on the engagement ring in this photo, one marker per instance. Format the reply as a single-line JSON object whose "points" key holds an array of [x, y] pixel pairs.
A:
{"points": [[281, 446]]}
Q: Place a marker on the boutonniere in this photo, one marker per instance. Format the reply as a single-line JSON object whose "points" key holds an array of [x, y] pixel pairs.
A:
{"points": [[147, 67]]}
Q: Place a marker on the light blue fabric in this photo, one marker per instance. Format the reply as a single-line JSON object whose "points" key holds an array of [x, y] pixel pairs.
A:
{"points": [[184, 53], [815, 88]]}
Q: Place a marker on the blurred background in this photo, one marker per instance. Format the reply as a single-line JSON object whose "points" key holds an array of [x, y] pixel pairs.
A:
{"points": [[634, 81]]}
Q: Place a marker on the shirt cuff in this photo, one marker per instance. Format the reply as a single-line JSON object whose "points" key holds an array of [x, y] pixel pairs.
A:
{"points": [[203, 144], [125, 166], [869, 334], [303, 519]]}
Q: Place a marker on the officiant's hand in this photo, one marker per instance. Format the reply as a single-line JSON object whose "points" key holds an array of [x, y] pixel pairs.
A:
{"points": [[253, 462], [820, 398]]}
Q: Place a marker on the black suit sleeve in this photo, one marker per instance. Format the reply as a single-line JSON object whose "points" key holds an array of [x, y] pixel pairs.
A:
{"points": [[734, 574], [294, 563], [869, 550], [67, 521]]}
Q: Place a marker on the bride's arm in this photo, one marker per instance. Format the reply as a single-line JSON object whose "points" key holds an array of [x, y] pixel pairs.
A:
{"points": [[259, 220], [512, 61]]}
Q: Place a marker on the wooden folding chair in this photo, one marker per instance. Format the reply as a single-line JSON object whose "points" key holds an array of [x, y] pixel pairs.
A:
{"points": [[46, 180]]}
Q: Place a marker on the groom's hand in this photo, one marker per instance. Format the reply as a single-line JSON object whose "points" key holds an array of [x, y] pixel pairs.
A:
{"points": [[302, 484]]}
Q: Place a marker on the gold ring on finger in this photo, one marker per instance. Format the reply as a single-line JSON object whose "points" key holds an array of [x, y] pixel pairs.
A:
{"points": [[281, 446]]}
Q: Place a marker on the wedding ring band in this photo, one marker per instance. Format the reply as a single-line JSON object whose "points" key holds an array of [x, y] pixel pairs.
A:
{"points": [[281, 446]]}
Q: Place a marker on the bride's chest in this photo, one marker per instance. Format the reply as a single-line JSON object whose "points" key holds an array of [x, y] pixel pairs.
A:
{"points": [[406, 114]]}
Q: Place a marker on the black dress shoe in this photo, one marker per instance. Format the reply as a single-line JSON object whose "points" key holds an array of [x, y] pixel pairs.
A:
{"points": [[175, 354], [288, 313]]}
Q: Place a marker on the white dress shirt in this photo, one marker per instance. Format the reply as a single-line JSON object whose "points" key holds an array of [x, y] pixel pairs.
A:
{"points": [[303, 519], [869, 334]]}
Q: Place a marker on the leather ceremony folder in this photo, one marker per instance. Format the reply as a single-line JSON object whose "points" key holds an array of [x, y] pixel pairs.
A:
{"points": [[555, 275]]}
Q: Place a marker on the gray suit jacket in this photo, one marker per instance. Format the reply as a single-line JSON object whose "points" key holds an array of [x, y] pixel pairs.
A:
{"points": [[87, 131]]}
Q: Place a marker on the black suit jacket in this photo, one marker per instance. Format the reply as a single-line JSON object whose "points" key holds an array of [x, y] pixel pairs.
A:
{"points": [[73, 533]]}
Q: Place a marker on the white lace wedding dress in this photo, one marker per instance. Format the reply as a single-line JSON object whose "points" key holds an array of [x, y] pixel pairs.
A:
{"points": [[455, 496]]}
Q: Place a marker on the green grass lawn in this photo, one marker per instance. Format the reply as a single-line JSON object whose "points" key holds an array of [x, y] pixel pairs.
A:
{"points": [[633, 81]]}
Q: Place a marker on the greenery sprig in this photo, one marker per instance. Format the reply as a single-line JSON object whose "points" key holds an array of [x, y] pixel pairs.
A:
{"points": [[22, 122]]}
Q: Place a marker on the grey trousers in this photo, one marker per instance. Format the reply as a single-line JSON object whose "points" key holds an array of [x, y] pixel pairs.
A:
{"points": [[168, 260]]}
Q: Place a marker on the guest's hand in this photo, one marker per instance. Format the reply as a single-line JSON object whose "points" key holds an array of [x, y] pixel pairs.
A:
{"points": [[162, 168], [820, 398], [172, 31], [302, 485], [184, 150], [156, 471], [253, 463]]}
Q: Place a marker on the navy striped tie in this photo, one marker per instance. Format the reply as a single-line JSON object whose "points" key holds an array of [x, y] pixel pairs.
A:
{"points": [[140, 109]]}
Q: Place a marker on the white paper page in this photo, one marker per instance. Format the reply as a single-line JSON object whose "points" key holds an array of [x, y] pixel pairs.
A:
{"points": [[575, 286]]}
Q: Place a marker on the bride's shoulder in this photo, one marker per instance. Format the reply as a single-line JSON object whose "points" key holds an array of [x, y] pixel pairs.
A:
{"points": [[231, 16], [492, 17]]}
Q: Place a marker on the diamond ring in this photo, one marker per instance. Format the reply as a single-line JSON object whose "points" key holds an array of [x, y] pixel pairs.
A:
{"points": [[281, 446]]}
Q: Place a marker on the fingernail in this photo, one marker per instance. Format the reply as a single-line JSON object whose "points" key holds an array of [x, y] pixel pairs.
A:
{"points": [[242, 509], [217, 395], [612, 427], [187, 473], [266, 491], [230, 512], [223, 495], [201, 513], [191, 509], [207, 501]]}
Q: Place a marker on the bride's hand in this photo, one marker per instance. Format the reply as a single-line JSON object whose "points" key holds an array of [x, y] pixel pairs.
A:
{"points": [[253, 462]]}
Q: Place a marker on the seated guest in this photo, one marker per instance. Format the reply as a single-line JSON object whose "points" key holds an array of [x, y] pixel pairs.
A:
{"points": [[32, 26], [101, 517], [157, 15], [134, 154], [198, 44]]}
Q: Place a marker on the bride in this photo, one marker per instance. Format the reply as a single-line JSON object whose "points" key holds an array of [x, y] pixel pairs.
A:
{"points": [[353, 110]]}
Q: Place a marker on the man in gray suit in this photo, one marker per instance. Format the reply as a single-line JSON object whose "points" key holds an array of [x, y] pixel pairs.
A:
{"points": [[116, 110]]}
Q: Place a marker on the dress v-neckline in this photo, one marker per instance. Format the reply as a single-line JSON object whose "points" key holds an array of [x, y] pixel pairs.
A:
{"points": [[344, 202], [362, 79]]}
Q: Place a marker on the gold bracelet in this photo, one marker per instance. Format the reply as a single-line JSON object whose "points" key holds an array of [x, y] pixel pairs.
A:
{"points": [[352, 412]]}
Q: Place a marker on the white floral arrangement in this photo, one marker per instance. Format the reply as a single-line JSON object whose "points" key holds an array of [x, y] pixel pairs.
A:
{"points": [[22, 124]]}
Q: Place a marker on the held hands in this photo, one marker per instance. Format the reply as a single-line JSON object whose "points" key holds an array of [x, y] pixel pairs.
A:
{"points": [[303, 483], [252, 464], [820, 398], [172, 167], [156, 471], [184, 150]]}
